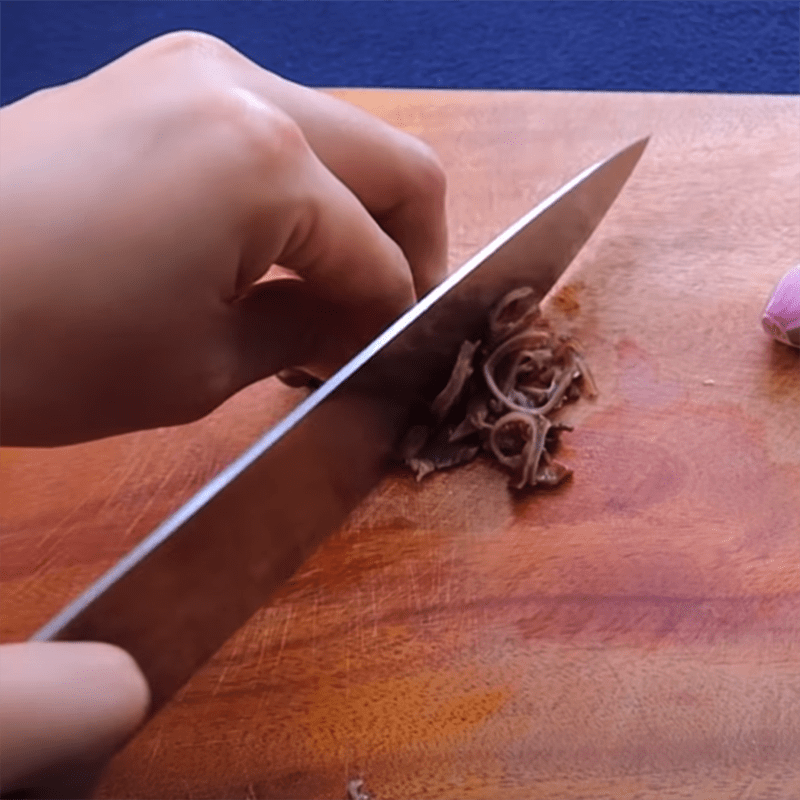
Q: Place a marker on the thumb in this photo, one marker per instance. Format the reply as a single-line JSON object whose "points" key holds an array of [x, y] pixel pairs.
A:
{"points": [[65, 707], [286, 323]]}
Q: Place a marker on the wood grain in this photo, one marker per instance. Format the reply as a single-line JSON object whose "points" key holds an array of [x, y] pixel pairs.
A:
{"points": [[632, 634]]}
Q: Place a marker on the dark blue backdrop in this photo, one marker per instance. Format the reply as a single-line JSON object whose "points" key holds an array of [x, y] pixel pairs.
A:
{"points": [[650, 45]]}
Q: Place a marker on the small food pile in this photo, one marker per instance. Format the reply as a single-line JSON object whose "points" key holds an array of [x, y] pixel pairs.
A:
{"points": [[501, 396]]}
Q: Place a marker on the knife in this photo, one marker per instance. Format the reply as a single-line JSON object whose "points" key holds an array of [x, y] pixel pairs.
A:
{"points": [[199, 576]]}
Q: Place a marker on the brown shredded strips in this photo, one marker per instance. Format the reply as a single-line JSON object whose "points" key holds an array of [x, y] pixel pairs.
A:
{"points": [[501, 396]]}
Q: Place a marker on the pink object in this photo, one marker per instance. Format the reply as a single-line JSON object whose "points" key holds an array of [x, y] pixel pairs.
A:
{"points": [[781, 317]]}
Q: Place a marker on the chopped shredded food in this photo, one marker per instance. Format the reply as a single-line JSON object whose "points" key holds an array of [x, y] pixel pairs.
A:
{"points": [[500, 398], [355, 790]]}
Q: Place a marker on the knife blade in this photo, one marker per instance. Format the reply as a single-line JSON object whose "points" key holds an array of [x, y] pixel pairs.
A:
{"points": [[174, 599]]}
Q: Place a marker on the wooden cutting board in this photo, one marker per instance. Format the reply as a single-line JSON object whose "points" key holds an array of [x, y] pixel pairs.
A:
{"points": [[634, 633]]}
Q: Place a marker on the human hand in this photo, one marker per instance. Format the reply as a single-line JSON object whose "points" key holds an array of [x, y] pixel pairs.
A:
{"points": [[141, 204], [65, 707]]}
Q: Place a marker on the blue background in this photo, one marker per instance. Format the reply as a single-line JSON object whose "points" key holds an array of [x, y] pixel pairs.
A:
{"points": [[647, 45]]}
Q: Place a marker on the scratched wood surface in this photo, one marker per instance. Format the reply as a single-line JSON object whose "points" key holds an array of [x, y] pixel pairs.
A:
{"points": [[632, 634]]}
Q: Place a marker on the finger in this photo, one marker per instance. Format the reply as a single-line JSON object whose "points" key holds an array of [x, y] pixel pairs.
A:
{"points": [[286, 323], [305, 219], [394, 175], [65, 707]]}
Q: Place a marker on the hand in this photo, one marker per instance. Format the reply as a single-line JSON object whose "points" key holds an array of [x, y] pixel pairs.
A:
{"points": [[140, 206], [66, 706]]}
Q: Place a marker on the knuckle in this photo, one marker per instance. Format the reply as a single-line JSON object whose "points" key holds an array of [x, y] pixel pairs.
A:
{"points": [[265, 135], [246, 134], [427, 176], [239, 125], [188, 43], [274, 134]]}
